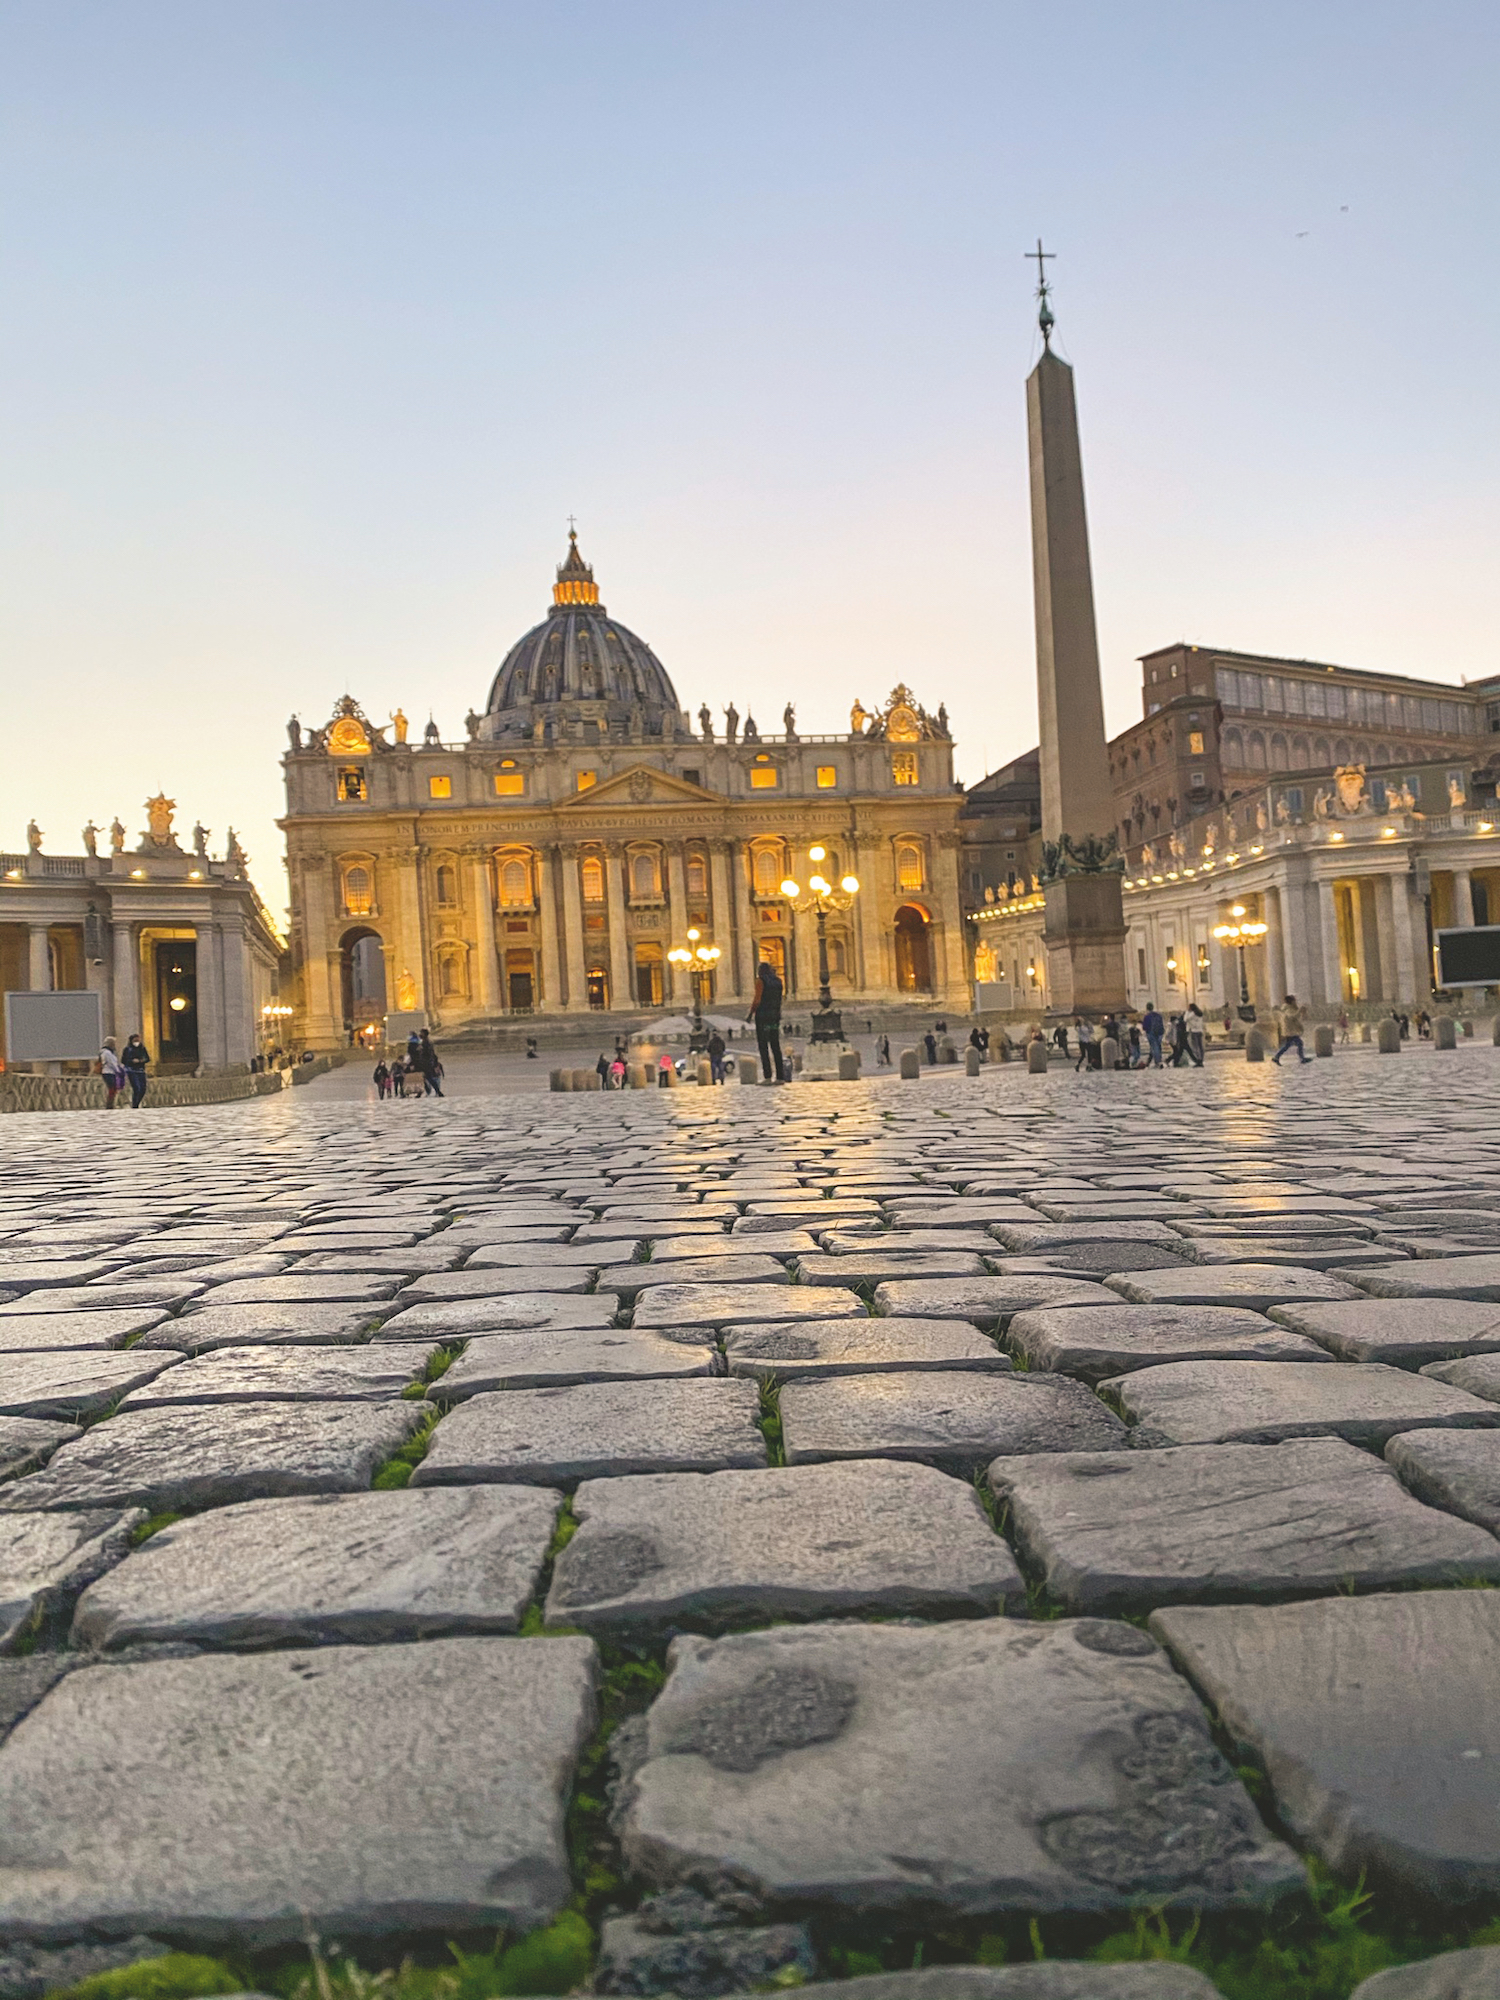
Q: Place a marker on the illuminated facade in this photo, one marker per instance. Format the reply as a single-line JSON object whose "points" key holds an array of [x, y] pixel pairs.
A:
{"points": [[550, 862]]}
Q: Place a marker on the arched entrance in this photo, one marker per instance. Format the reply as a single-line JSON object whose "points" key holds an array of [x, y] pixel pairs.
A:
{"points": [[362, 978], [913, 950]]}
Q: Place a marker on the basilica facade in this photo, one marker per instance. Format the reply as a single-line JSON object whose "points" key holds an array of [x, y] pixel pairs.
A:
{"points": [[551, 862]]}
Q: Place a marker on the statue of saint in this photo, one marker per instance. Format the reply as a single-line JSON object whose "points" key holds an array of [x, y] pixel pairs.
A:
{"points": [[406, 992], [91, 839], [942, 718], [752, 734], [859, 715], [233, 852], [33, 836], [731, 722], [1456, 799], [1323, 803], [117, 837], [400, 724], [200, 841], [294, 733], [789, 720], [706, 722], [471, 724], [1262, 817], [1283, 810]]}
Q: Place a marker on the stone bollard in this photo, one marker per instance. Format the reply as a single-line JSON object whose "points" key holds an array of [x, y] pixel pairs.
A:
{"points": [[639, 1076], [849, 1066], [1466, 1028], [1109, 1053], [911, 1065], [1388, 1038], [1036, 1058], [705, 1072], [749, 1070], [1323, 1039], [590, 1080], [1003, 1049], [947, 1053], [1364, 1031], [1495, 1031], [971, 1061], [1445, 1032], [1255, 1045], [557, 1078]]}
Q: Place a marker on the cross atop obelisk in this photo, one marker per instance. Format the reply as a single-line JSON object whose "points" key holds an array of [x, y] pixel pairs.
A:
{"points": [[1044, 317]]}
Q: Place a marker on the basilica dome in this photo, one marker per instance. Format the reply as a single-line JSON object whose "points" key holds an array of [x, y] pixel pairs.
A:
{"points": [[580, 666]]}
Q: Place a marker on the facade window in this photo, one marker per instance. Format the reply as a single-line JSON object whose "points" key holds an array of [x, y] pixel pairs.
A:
{"points": [[585, 781], [510, 784], [697, 875], [764, 777], [440, 788], [593, 879], [837, 958], [1140, 965], [359, 899], [445, 880], [1205, 973], [904, 767], [451, 975], [352, 787], [767, 872], [1195, 742], [649, 983], [645, 878], [828, 777], [693, 778], [910, 873], [515, 885]]}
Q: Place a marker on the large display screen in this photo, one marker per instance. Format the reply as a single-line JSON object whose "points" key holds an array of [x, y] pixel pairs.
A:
{"points": [[1469, 957]]}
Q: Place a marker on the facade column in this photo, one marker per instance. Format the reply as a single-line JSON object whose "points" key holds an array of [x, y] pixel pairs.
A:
{"points": [[319, 1025], [1463, 898], [1410, 982], [679, 978], [1295, 940], [723, 919], [1385, 928], [546, 903], [240, 1026], [210, 983], [573, 928], [1371, 969], [125, 1015], [744, 919], [39, 962], [1328, 921], [952, 972], [411, 944], [481, 882], [1276, 971], [621, 993]]}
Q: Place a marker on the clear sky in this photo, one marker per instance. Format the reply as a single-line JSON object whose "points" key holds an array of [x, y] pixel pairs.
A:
{"points": [[319, 317]]}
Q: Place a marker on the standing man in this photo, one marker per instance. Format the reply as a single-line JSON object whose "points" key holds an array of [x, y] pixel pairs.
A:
{"points": [[1291, 1030], [1153, 1027], [1085, 1033], [716, 1053], [765, 1012], [1195, 1032], [428, 1064], [134, 1061]]}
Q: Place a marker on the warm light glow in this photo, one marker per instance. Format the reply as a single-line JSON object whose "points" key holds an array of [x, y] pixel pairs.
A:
{"points": [[850, 885], [177, 1003], [1236, 909], [817, 854], [693, 936], [138, 874], [1335, 836], [790, 888], [817, 883], [1485, 826], [1387, 833], [195, 874]]}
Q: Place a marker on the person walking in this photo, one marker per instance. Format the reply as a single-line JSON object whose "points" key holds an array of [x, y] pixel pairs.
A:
{"points": [[929, 1043], [113, 1072], [716, 1054], [883, 1051], [765, 1013], [1196, 1027], [1154, 1028], [1343, 1026], [428, 1064], [1060, 1037], [134, 1061], [382, 1080], [617, 1071], [1291, 1030], [1085, 1033]]}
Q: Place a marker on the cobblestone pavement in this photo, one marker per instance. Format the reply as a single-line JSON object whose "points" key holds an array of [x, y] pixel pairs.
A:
{"points": [[764, 1521]]}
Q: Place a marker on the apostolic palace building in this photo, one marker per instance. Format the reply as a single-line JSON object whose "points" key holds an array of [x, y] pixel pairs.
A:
{"points": [[551, 862]]}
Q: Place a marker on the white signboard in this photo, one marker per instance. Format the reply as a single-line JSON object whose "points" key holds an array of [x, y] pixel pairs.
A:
{"points": [[994, 996], [399, 1026], [52, 1027]]}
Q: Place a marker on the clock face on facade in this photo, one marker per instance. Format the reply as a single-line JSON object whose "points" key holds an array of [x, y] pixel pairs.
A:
{"points": [[347, 738], [901, 725]]}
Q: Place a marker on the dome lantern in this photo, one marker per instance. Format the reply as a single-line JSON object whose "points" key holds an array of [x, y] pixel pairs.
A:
{"points": [[575, 579]]}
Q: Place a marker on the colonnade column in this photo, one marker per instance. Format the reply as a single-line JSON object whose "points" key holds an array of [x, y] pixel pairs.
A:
{"points": [[318, 1023], [39, 961], [412, 946], [1294, 940], [1413, 981], [210, 985], [481, 882], [125, 1012], [620, 994], [725, 927], [578, 997], [738, 857], [1328, 919], [680, 985], [240, 1030], [1276, 954], [546, 903], [1385, 927], [1463, 898]]}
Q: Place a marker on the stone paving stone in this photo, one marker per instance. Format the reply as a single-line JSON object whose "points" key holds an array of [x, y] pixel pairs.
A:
{"points": [[959, 1419], [141, 1797], [772, 1349], [1096, 1260], [745, 1269], [1377, 1722], [1478, 1375], [112, 1295], [684, 1310], [77, 1383], [1454, 1975], [1435, 1278], [1458, 1470], [518, 1312], [1125, 1531], [302, 1288], [705, 1551], [1265, 1402], [598, 1431], [208, 1457], [34, 1274], [414, 1263], [261, 1326], [1257, 1287], [29, 1972], [1094, 1342], [47, 1559], [1308, 1253], [333, 1569], [768, 1243], [1050, 1979], [644, 1954], [559, 1359], [1022, 1237], [499, 1283], [885, 1262], [987, 1302], [951, 1242], [301, 1375], [27, 1442], [968, 1768], [1404, 1333], [491, 1265], [30, 1333], [955, 1213]]}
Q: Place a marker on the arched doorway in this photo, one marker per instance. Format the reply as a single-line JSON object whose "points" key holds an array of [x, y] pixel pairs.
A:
{"points": [[913, 950], [362, 978]]}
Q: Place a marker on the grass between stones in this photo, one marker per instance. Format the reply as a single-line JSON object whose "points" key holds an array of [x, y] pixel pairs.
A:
{"points": [[768, 1423], [153, 1525], [402, 1463], [434, 1369]]}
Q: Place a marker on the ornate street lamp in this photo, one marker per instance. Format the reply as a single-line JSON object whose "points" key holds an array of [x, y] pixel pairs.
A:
{"points": [[820, 897], [1239, 934], [702, 958]]}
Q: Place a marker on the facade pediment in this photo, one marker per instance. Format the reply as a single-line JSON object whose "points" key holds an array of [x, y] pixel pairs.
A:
{"points": [[641, 785]]}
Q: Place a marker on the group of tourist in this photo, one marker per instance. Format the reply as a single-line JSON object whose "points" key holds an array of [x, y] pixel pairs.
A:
{"points": [[120, 1067], [420, 1061]]}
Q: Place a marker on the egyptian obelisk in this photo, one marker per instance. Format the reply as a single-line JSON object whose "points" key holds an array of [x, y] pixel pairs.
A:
{"points": [[1084, 929]]}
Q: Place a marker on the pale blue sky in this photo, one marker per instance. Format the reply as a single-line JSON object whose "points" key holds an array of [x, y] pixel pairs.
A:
{"points": [[318, 319]]}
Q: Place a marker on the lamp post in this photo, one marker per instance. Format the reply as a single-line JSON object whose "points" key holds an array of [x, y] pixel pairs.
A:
{"points": [[1239, 934], [820, 897], [702, 958]]}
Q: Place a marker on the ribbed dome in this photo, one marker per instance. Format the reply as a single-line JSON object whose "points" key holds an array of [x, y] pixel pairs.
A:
{"points": [[581, 664]]}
